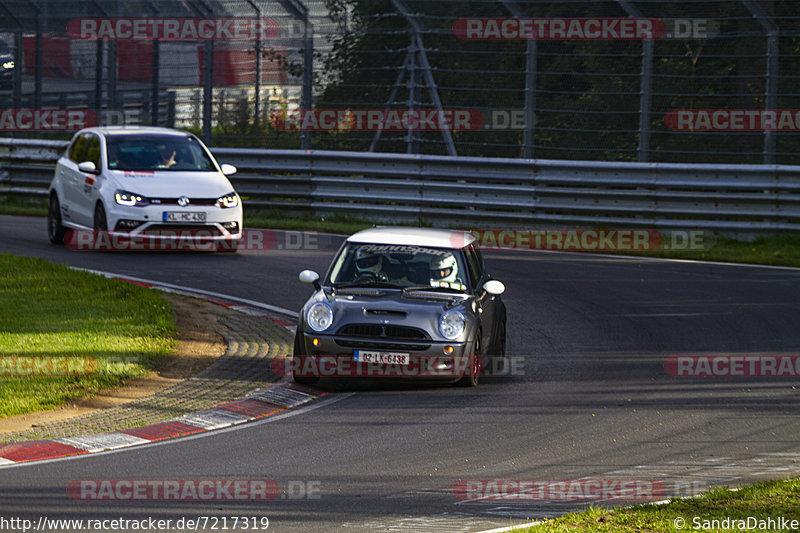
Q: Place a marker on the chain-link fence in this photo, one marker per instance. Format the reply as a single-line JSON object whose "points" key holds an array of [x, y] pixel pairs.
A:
{"points": [[212, 66], [686, 80]]}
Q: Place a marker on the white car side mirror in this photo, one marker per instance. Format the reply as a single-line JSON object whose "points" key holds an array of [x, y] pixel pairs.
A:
{"points": [[228, 169], [87, 167], [311, 277], [494, 287]]}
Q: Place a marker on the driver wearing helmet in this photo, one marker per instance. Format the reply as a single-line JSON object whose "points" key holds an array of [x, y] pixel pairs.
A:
{"points": [[369, 263], [444, 271]]}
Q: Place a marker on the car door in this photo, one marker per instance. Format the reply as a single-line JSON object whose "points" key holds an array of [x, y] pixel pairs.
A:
{"points": [[486, 305], [87, 183], [72, 179]]}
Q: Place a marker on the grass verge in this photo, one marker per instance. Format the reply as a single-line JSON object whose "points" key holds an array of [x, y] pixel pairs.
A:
{"points": [[747, 509], [255, 217], [65, 334], [23, 205]]}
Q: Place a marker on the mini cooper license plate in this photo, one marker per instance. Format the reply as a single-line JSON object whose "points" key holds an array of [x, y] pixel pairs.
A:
{"points": [[395, 358], [184, 216]]}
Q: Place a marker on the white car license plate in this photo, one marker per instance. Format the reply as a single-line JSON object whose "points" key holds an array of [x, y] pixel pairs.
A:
{"points": [[395, 358], [184, 216]]}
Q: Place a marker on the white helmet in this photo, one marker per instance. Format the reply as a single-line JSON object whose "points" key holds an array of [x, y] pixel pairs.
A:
{"points": [[368, 261], [443, 268]]}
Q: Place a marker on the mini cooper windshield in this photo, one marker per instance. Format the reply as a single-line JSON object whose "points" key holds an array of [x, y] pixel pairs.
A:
{"points": [[402, 267], [157, 152]]}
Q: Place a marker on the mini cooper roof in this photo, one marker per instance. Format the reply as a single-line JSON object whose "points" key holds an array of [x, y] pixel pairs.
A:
{"points": [[410, 236]]}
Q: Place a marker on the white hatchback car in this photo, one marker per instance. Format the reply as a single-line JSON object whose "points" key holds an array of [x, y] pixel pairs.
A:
{"points": [[144, 182]]}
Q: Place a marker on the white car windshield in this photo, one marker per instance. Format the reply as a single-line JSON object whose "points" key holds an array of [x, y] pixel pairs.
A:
{"points": [[400, 266], [156, 152]]}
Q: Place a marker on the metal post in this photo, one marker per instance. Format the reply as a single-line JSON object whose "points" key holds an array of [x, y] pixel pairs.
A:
{"points": [[155, 82], [308, 79], [37, 75], [531, 47], [770, 139], [412, 139], [18, 68], [300, 11], [257, 88], [112, 74], [426, 69], [98, 77], [645, 101], [400, 75], [208, 88], [645, 90], [771, 89]]}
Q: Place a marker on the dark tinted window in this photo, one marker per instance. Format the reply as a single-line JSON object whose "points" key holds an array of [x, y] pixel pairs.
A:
{"points": [[77, 151], [93, 150], [156, 152], [475, 263]]}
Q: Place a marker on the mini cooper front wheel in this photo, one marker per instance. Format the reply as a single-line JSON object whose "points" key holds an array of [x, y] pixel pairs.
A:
{"points": [[297, 364], [475, 365]]}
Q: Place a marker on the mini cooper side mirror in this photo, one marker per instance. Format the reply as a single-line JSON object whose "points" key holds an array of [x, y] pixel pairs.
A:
{"points": [[494, 287], [87, 167], [228, 169], [309, 276]]}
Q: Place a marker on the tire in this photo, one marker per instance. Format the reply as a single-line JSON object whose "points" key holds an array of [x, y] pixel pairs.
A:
{"points": [[55, 231], [473, 374], [298, 350], [499, 347], [100, 220]]}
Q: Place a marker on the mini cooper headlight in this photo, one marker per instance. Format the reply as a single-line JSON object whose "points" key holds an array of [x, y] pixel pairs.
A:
{"points": [[129, 199], [451, 325], [229, 200], [319, 316]]}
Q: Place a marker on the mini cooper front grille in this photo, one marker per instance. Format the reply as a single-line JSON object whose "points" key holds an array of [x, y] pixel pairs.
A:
{"points": [[378, 345], [383, 331]]}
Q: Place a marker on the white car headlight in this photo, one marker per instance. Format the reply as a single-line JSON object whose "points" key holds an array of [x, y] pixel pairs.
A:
{"points": [[319, 316], [129, 199], [229, 200], [451, 325], [8, 65]]}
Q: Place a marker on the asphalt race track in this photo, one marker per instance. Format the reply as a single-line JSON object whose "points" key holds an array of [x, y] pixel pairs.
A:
{"points": [[590, 399]]}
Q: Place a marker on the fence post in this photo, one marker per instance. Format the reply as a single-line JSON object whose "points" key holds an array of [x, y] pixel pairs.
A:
{"points": [[208, 89], [155, 81], [771, 88], [531, 47]]}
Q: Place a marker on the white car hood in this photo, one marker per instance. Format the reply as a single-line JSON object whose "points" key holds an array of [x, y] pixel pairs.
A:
{"points": [[168, 184]]}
